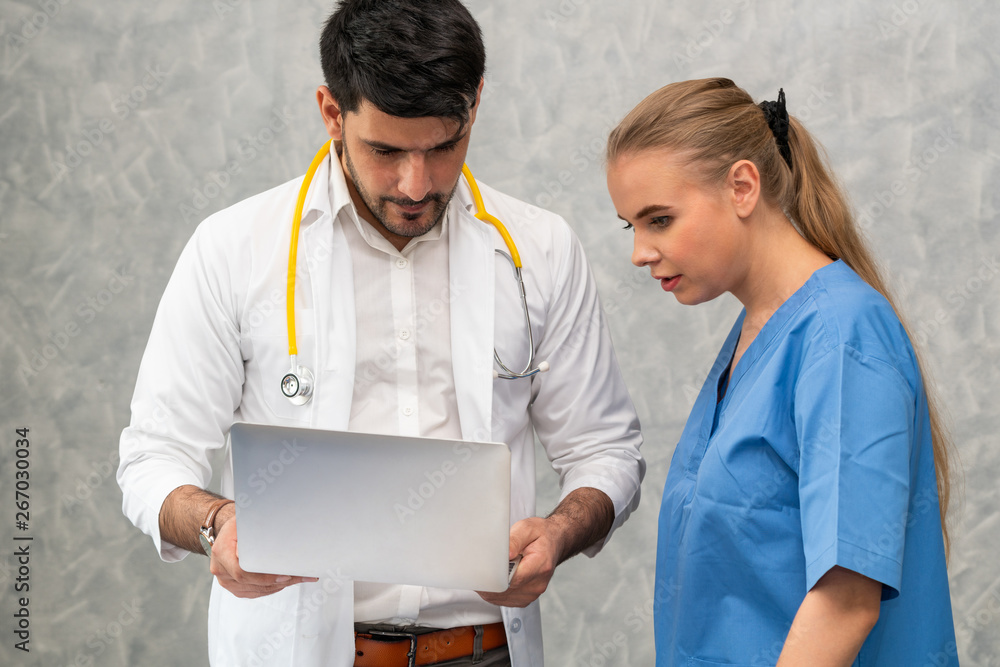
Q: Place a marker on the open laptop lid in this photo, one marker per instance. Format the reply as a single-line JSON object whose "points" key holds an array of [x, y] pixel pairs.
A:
{"points": [[366, 507]]}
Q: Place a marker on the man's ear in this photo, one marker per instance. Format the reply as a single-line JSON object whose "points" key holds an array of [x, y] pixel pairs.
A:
{"points": [[743, 181], [329, 110], [479, 98]]}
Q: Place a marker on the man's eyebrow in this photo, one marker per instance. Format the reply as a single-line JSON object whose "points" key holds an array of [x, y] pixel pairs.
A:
{"points": [[378, 145]]}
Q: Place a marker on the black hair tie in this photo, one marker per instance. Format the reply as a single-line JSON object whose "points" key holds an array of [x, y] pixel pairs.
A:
{"points": [[777, 119]]}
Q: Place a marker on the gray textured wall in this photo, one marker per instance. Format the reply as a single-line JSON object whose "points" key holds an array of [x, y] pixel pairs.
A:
{"points": [[115, 115]]}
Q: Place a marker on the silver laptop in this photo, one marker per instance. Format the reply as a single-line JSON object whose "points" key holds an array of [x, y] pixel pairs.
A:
{"points": [[385, 509]]}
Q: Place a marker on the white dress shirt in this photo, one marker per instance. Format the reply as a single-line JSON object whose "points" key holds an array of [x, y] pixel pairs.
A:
{"points": [[403, 385], [219, 347]]}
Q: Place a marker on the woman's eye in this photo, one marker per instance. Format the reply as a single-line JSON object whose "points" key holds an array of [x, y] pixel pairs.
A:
{"points": [[660, 221], [628, 225]]}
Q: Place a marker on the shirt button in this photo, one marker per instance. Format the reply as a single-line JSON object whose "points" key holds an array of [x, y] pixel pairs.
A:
{"points": [[402, 263], [515, 626], [404, 334], [408, 411]]}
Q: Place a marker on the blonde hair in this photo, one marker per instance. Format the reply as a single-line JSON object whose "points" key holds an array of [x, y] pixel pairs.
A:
{"points": [[714, 123]]}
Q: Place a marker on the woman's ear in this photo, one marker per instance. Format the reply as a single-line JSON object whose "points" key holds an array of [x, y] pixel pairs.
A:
{"points": [[743, 181]]}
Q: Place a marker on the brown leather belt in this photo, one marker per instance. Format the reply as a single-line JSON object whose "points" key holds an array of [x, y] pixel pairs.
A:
{"points": [[392, 649]]}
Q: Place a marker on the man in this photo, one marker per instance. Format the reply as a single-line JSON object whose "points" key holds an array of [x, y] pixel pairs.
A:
{"points": [[399, 306]]}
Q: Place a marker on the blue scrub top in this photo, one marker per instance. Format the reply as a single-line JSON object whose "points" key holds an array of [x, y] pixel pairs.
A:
{"points": [[819, 454]]}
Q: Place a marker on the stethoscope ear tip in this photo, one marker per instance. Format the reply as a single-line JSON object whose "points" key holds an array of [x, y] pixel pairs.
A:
{"points": [[542, 367]]}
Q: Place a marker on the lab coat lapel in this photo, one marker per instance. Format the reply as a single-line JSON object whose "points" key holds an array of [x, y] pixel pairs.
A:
{"points": [[471, 268], [326, 256]]}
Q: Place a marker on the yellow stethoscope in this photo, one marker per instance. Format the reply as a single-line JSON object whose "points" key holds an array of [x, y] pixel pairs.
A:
{"points": [[298, 383]]}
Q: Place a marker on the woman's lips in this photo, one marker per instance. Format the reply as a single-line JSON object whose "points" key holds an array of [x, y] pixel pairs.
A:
{"points": [[669, 283]]}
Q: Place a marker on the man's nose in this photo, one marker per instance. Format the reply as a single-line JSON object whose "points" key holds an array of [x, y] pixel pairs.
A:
{"points": [[415, 179]]}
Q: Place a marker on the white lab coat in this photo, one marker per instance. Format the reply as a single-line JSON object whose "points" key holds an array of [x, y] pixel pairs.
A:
{"points": [[218, 349]]}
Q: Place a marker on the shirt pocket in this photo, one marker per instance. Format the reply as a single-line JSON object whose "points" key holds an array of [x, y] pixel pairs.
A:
{"points": [[266, 361]]}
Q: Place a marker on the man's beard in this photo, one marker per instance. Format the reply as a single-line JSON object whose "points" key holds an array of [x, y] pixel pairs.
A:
{"points": [[379, 205]]}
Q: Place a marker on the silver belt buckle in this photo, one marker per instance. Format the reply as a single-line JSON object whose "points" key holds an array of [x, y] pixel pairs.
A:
{"points": [[411, 655]]}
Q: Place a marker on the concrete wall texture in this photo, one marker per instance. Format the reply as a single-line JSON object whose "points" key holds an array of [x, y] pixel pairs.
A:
{"points": [[118, 121]]}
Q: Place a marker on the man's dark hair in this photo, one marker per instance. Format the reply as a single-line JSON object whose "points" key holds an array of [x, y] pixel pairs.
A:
{"points": [[410, 58]]}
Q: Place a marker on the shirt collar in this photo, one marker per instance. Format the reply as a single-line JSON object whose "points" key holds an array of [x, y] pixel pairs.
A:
{"points": [[340, 196], [339, 200]]}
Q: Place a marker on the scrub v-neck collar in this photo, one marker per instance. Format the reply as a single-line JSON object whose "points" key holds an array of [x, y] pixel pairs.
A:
{"points": [[767, 334]]}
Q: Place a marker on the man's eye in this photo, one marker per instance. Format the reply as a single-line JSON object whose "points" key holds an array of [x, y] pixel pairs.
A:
{"points": [[447, 149], [382, 153]]}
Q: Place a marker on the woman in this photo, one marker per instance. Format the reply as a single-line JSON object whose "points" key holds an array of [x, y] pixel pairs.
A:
{"points": [[802, 519]]}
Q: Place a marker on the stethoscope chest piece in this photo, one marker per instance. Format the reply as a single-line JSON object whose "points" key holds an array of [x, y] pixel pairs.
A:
{"points": [[297, 386]]}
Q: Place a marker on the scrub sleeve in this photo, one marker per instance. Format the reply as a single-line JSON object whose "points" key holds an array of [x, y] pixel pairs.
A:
{"points": [[854, 415]]}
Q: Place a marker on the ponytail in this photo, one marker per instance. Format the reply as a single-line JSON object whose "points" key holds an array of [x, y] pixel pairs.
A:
{"points": [[822, 216], [716, 123]]}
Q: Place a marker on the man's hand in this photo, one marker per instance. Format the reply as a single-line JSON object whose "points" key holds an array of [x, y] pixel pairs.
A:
{"points": [[225, 565], [537, 540], [583, 518], [180, 520]]}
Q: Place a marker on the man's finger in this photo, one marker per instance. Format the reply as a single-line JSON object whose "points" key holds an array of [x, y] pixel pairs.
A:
{"points": [[222, 566], [522, 534]]}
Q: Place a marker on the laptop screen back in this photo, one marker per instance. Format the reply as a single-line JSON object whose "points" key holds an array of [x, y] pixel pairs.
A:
{"points": [[365, 507]]}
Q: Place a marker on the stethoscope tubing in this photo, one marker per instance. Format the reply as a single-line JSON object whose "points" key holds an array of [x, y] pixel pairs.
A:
{"points": [[297, 384]]}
